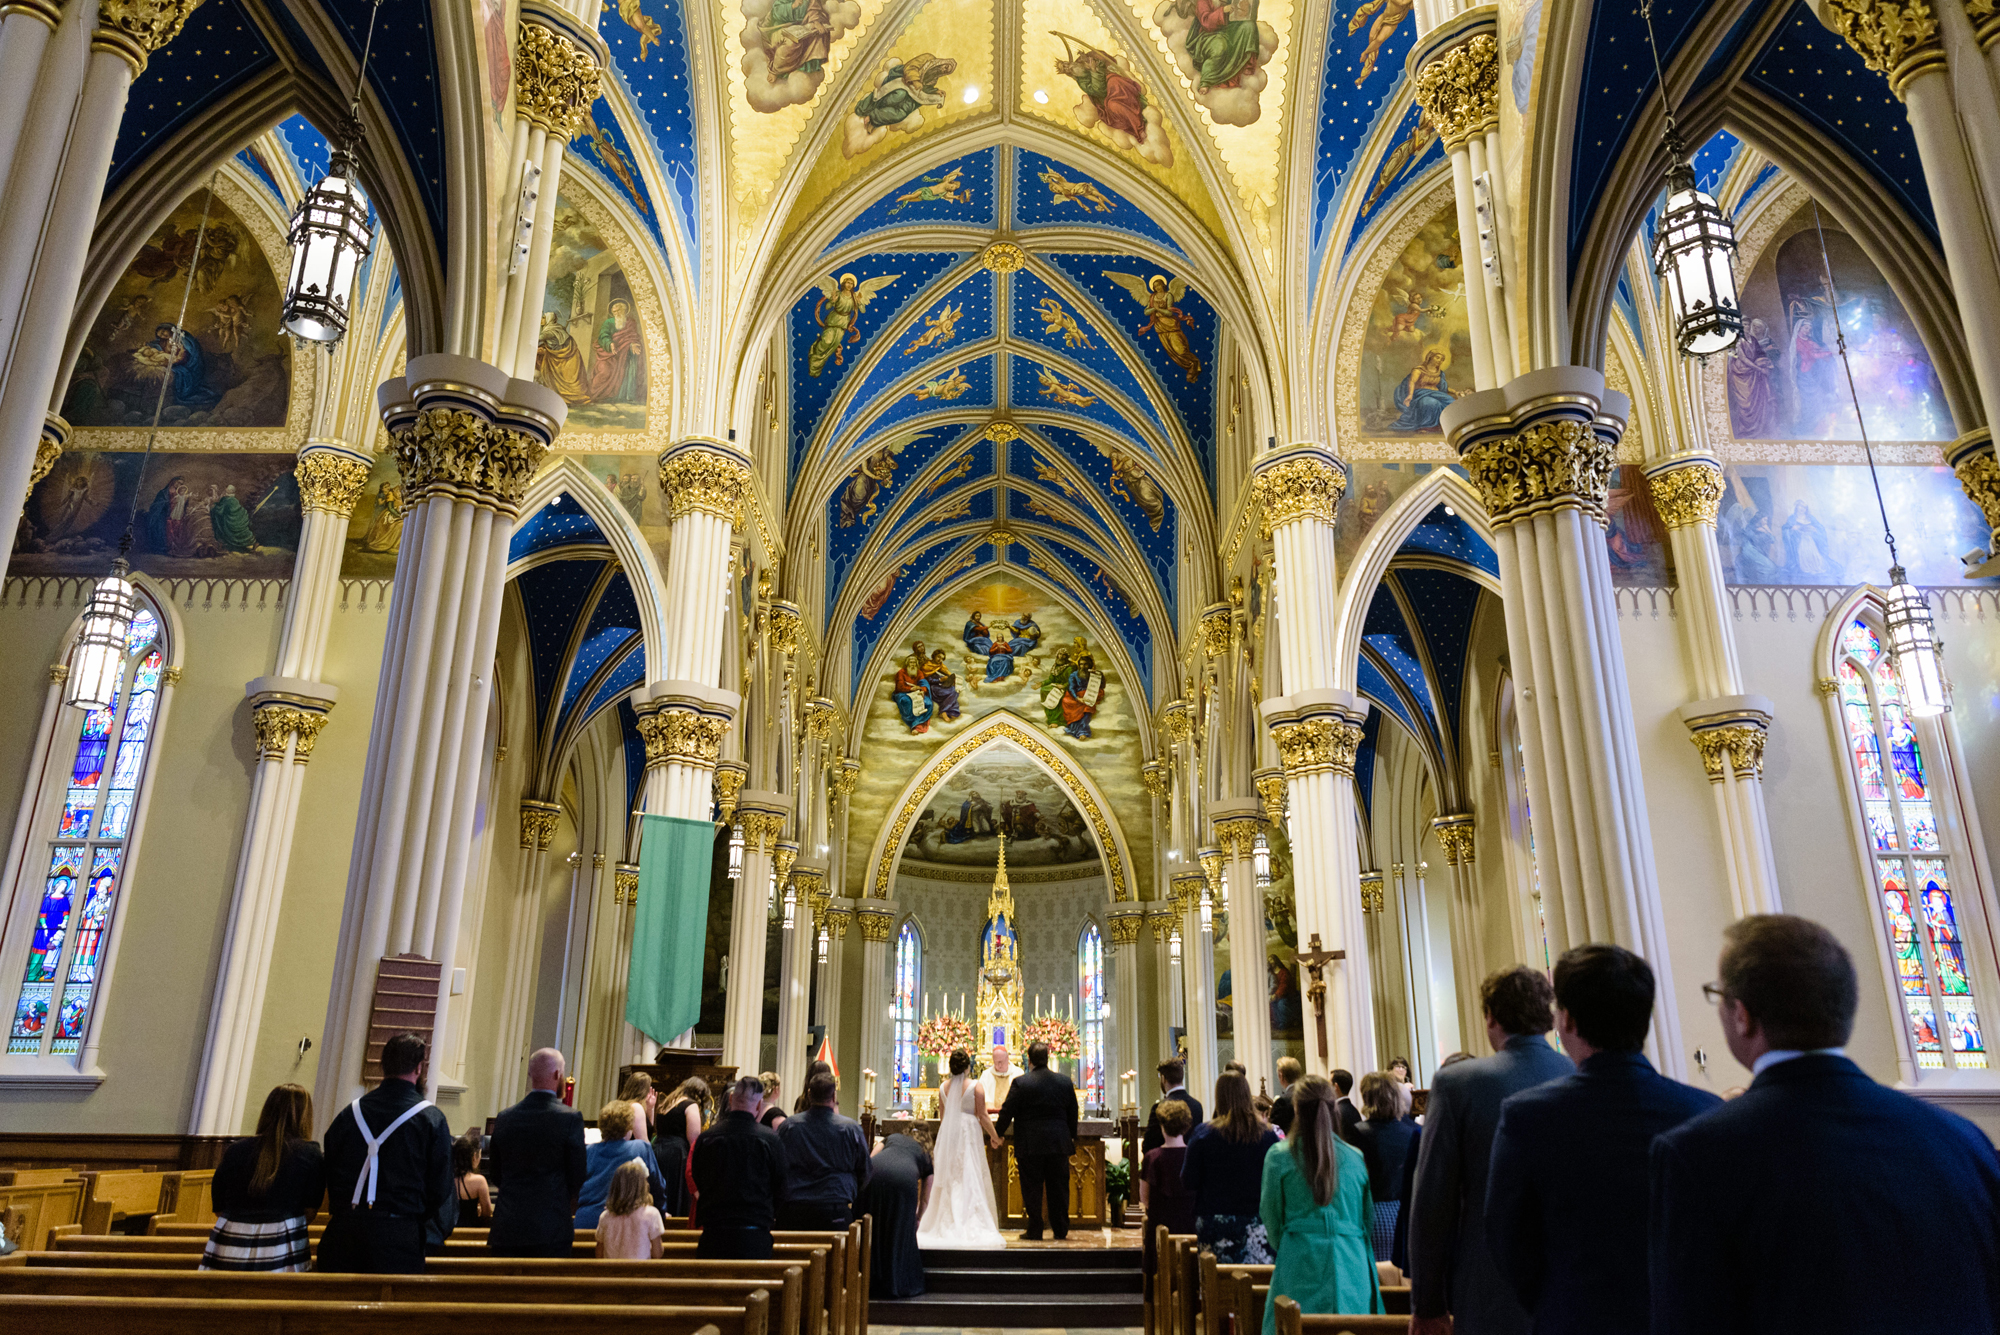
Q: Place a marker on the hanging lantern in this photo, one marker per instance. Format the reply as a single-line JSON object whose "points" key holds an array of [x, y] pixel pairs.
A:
{"points": [[1695, 251], [1913, 643], [1260, 860], [98, 663], [1207, 914], [736, 853], [330, 237]]}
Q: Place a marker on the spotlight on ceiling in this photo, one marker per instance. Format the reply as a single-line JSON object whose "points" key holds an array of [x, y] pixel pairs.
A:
{"points": [[1453, 513], [972, 94], [1042, 96]]}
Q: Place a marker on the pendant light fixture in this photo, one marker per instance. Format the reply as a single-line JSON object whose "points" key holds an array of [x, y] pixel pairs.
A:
{"points": [[1906, 614], [97, 663], [1694, 249], [1260, 860], [330, 234]]}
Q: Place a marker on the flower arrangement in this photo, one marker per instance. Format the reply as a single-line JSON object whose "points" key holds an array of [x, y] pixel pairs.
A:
{"points": [[1060, 1034], [937, 1036]]}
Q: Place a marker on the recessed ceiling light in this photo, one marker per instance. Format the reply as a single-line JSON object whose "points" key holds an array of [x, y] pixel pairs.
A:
{"points": [[972, 94], [1041, 95], [1453, 513]]}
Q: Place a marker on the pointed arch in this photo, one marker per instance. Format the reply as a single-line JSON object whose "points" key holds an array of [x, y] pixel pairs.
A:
{"points": [[567, 476], [887, 851]]}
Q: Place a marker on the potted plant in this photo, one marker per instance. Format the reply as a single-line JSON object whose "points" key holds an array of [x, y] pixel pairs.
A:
{"points": [[1117, 1186]]}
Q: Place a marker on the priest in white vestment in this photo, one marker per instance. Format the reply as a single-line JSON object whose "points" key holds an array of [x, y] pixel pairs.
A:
{"points": [[997, 1078]]}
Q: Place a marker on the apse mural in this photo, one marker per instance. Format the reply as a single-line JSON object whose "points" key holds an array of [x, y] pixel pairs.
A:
{"points": [[232, 515], [1416, 352], [375, 529], [227, 363], [590, 349], [1000, 791], [1784, 379]]}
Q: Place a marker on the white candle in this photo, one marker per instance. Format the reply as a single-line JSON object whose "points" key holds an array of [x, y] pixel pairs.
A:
{"points": [[927, 1005]]}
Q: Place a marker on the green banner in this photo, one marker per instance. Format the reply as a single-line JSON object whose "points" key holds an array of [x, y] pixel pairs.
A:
{"points": [[670, 926]]}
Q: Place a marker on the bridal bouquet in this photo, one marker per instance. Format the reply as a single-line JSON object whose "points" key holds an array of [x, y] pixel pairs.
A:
{"points": [[1058, 1033], [937, 1036]]}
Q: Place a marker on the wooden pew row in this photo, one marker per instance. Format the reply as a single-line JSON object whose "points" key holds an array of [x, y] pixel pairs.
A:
{"points": [[44, 1207], [625, 1291], [37, 1177], [1292, 1322], [176, 1316], [1183, 1255], [1243, 1291]]}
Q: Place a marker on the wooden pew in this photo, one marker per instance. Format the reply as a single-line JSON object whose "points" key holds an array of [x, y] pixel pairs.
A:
{"points": [[36, 1177], [176, 1316], [43, 1206], [110, 1197], [187, 1197], [624, 1291], [1183, 1254], [1292, 1322]]}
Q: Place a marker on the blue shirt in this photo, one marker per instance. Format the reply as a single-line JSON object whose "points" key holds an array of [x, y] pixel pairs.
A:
{"points": [[600, 1162]]}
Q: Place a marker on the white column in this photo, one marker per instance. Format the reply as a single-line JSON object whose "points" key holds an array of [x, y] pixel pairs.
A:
{"points": [[468, 439], [1541, 451], [289, 709], [1317, 727], [797, 951], [763, 820], [1123, 927], [524, 937], [1166, 982], [877, 920], [1468, 948], [1236, 829], [1197, 928]]}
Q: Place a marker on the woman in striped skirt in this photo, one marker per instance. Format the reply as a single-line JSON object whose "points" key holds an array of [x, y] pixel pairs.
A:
{"points": [[1383, 1136], [267, 1190]]}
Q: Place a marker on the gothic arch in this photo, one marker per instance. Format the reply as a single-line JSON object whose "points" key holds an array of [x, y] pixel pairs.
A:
{"points": [[887, 850], [567, 476]]}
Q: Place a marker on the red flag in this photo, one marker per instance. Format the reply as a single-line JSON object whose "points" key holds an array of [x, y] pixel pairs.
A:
{"points": [[826, 1055]]}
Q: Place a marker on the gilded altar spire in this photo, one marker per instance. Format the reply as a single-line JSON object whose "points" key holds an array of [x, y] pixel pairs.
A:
{"points": [[1000, 902]]}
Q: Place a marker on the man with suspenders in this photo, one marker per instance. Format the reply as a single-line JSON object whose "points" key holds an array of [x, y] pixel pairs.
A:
{"points": [[388, 1170]]}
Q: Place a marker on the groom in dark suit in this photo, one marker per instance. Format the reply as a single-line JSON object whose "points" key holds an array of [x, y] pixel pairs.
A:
{"points": [[1044, 1103]]}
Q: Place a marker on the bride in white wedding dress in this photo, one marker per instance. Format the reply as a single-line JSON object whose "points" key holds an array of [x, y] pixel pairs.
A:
{"points": [[962, 1214]]}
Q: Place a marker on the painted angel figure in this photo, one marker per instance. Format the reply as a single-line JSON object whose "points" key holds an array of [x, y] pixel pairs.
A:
{"points": [[1161, 296], [896, 102], [1056, 320], [1084, 194], [1062, 391], [938, 329], [948, 189], [841, 302]]}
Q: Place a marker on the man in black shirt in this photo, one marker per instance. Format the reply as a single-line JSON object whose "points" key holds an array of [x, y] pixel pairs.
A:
{"points": [[1289, 1071], [826, 1162], [1350, 1116], [1173, 1076], [1041, 1108], [388, 1171], [739, 1179], [538, 1162]]}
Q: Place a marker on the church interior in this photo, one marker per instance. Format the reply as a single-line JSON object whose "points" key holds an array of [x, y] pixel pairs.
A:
{"points": [[791, 529]]}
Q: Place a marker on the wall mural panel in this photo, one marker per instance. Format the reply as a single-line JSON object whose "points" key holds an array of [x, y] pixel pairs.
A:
{"points": [[228, 365], [375, 529], [216, 516], [590, 349], [1416, 350], [1001, 791]]}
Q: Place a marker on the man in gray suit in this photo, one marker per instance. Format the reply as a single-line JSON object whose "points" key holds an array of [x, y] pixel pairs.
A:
{"points": [[1452, 1272]]}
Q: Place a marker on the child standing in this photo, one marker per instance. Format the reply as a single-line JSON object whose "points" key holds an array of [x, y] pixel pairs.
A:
{"points": [[630, 1229]]}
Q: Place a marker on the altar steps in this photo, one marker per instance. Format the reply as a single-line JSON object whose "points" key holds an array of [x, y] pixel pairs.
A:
{"points": [[1023, 1288]]}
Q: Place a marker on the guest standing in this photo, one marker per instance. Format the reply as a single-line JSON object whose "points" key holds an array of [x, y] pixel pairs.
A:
{"points": [[469, 1187], [1383, 1136], [267, 1190], [826, 1161], [1043, 1104], [388, 1172], [1224, 1172], [1289, 1071], [897, 1193], [774, 1111], [678, 1128], [1173, 1085], [1162, 1193], [538, 1155], [1315, 1209], [638, 1091], [1453, 1276], [739, 1178], [1350, 1116], [1832, 1187], [629, 1228], [602, 1161], [1566, 1195]]}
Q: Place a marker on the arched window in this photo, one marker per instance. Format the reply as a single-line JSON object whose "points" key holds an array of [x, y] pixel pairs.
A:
{"points": [[907, 1063], [1915, 874], [1090, 1008], [85, 811]]}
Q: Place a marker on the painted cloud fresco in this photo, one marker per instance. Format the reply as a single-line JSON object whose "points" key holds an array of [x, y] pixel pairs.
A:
{"points": [[1416, 356]]}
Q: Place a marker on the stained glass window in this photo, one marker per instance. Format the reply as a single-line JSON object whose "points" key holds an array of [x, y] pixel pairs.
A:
{"points": [[1091, 1008], [81, 879], [909, 979], [1910, 865]]}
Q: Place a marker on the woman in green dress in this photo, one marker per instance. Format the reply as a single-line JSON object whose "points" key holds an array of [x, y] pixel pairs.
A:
{"points": [[1316, 1211]]}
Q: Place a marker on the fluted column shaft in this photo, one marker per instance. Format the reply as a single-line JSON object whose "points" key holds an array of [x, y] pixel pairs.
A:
{"points": [[1196, 922], [1123, 929], [1250, 1015], [798, 952], [1468, 949], [763, 823], [1457, 70], [876, 919]]}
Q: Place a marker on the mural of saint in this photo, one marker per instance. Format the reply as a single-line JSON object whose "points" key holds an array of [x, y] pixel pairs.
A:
{"points": [[860, 497], [589, 347], [1222, 48], [897, 101], [1417, 331], [786, 44], [385, 529], [912, 694], [837, 312], [1423, 396], [1131, 481], [1114, 101], [1165, 320], [234, 513], [1001, 649], [1072, 691]]}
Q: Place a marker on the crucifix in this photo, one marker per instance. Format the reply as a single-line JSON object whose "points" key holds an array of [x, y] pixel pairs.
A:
{"points": [[1316, 961]]}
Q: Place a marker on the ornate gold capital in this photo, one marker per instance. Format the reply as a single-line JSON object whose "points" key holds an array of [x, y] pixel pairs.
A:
{"points": [[1215, 623], [787, 626], [705, 479], [783, 854], [1460, 90], [1154, 776], [1971, 457], [761, 830], [1742, 744], [1688, 494], [1271, 787], [1455, 835], [1317, 745], [1298, 486], [277, 724], [460, 453], [330, 482], [838, 920], [1003, 257], [625, 883], [1898, 38], [1162, 923], [555, 83], [135, 29], [49, 447], [846, 777], [877, 925], [1124, 928], [682, 736], [729, 779], [1560, 465], [1184, 890], [1237, 835], [1211, 870], [1177, 721], [538, 824], [822, 718], [1371, 892], [1985, 16]]}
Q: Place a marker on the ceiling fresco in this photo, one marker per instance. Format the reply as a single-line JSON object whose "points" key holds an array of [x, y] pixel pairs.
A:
{"points": [[1000, 791]]}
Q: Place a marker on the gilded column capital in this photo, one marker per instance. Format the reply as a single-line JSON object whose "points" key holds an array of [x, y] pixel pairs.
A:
{"points": [[1455, 835], [1216, 620], [1460, 90], [1271, 788], [1184, 891], [1161, 920], [278, 724], [1154, 776], [1971, 457], [1897, 38], [784, 853], [846, 777], [135, 29], [538, 824], [556, 81], [730, 776], [1563, 464], [708, 477], [465, 454], [1211, 870], [49, 447], [1124, 928], [1741, 744], [1317, 745], [1177, 721], [1687, 491], [625, 883], [1237, 835], [1985, 16], [761, 829], [1371, 892], [330, 479], [838, 920], [877, 925], [787, 626], [682, 736], [1297, 483]]}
